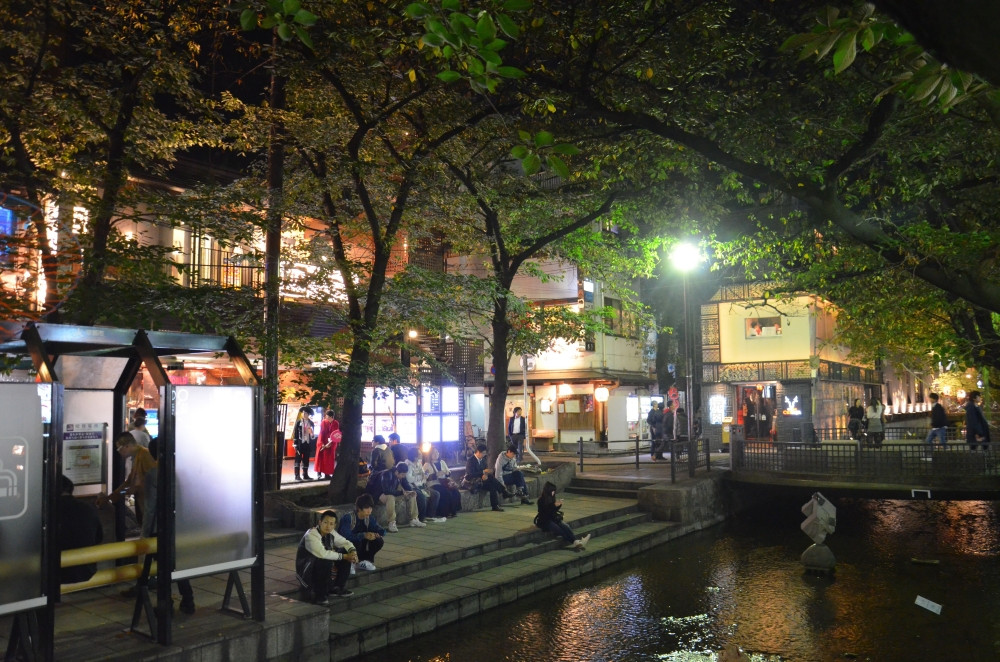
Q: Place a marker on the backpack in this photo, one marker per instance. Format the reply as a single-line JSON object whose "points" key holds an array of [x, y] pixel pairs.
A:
{"points": [[379, 461], [374, 486]]}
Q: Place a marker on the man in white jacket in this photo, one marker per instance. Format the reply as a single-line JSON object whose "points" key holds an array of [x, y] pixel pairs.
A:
{"points": [[320, 551]]}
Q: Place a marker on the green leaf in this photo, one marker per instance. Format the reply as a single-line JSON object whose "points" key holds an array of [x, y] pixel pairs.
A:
{"points": [[510, 72], [490, 57], [451, 5], [926, 87], [449, 76], [432, 39], [285, 32], [248, 19], [868, 39], [475, 67], [417, 10], [486, 29], [303, 36], [845, 53], [566, 149], [523, 135], [496, 45], [532, 164], [544, 138], [519, 152], [558, 166], [303, 17], [268, 22], [508, 26], [291, 6]]}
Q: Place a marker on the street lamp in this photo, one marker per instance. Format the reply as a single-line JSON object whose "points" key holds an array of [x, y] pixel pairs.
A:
{"points": [[685, 257], [601, 394]]}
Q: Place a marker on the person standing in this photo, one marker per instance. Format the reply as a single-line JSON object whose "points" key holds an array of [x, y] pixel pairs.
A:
{"points": [[303, 437], [876, 422], [666, 426], [855, 414], [939, 422], [321, 550], [79, 526], [326, 448], [138, 428], [550, 518], [361, 529], [516, 430], [680, 425], [655, 419], [977, 430]]}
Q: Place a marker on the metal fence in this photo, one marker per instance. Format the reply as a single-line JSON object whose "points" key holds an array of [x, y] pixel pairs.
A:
{"points": [[682, 453], [893, 462]]}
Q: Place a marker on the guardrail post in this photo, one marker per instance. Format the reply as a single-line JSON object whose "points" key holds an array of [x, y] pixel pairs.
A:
{"points": [[673, 465], [692, 457], [580, 446], [637, 453]]}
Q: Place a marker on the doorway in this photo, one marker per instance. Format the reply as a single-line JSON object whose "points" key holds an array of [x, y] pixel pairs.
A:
{"points": [[756, 405]]}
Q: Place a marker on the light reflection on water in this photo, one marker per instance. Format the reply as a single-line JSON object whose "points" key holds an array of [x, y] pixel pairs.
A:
{"points": [[742, 583]]}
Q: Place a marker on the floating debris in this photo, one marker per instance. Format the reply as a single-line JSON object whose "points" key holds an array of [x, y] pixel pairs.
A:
{"points": [[925, 561], [934, 607]]}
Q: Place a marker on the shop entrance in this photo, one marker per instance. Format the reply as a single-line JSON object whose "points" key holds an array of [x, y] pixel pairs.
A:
{"points": [[755, 407]]}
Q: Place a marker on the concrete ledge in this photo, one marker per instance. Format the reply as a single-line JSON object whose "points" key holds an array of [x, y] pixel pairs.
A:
{"points": [[701, 503]]}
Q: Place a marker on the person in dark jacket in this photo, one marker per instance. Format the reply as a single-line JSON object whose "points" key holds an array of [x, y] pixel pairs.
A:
{"points": [[939, 422], [550, 518], [516, 431], [479, 477], [655, 420], [388, 486], [79, 526], [320, 551], [361, 529], [977, 430], [855, 415]]}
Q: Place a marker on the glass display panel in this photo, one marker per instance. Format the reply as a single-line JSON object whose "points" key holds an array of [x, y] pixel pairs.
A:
{"points": [[368, 406], [214, 478], [367, 428], [450, 427], [406, 404], [432, 429], [21, 460], [384, 426], [406, 426], [431, 399], [449, 399], [384, 401]]}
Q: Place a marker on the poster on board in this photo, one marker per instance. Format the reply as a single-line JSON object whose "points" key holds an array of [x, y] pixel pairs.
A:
{"points": [[83, 452]]}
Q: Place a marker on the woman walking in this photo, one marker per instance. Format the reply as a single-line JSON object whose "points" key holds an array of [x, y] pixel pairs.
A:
{"points": [[550, 518]]}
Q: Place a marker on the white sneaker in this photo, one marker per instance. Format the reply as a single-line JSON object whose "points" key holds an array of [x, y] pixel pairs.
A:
{"points": [[577, 544], [366, 565], [417, 523], [392, 528], [437, 519], [584, 540]]}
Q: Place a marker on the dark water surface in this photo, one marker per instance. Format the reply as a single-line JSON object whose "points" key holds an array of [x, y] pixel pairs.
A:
{"points": [[742, 582]]}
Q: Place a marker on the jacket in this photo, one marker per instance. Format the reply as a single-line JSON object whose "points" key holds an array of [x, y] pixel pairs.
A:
{"points": [[352, 528], [314, 546], [510, 425], [382, 458], [505, 465], [975, 425], [939, 419], [548, 511]]}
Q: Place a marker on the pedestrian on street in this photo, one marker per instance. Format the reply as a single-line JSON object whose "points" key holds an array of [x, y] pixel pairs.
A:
{"points": [[977, 430], [939, 422]]}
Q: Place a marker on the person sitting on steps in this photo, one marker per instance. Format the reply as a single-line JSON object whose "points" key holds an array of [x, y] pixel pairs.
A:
{"points": [[361, 529], [479, 477], [506, 469], [388, 486], [550, 518], [320, 551]]}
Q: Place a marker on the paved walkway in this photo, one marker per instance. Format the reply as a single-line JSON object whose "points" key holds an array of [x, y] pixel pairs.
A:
{"points": [[93, 624]]}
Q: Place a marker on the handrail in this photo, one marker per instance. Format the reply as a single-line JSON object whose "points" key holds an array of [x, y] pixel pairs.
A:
{"points": [[111, 551]]}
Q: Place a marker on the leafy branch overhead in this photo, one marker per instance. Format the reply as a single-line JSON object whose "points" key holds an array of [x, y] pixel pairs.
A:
{"points": [[914, 74], [542, 144], [286, 17], [469, 42]]}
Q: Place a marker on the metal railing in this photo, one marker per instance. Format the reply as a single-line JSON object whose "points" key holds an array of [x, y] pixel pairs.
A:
{"points": [[677, 449], [892, 462]]}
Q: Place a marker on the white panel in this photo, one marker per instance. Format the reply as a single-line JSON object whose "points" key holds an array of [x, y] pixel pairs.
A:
{"points": [[91, 407], [214, 476]]}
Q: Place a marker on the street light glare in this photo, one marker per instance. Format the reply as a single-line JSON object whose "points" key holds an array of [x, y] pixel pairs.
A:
{"points": [[685, 256]]}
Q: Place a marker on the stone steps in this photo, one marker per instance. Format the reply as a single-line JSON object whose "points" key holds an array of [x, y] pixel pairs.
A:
{"points": [[392, 605], [618, 488]]}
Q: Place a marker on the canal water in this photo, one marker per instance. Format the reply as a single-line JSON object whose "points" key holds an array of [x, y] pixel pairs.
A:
{"points": [[741, 582]]}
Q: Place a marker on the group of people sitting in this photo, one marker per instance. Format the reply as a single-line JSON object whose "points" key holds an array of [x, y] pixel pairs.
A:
{"points": [[333, 550]]}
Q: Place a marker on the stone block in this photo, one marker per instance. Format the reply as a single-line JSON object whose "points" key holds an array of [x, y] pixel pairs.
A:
{"points": [[399, 629], [373, 638]]}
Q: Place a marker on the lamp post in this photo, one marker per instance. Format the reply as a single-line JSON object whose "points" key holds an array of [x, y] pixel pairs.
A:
{"points": [[685, 256], [601, 394]]}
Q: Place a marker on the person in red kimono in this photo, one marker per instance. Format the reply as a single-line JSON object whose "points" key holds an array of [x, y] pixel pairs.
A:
{"points": [[326, 450]]}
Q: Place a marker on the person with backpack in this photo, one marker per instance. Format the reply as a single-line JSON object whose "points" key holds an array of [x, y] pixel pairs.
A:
{"points": [[326, 449], [362, 530], [303, 437], [381, 457], [386, 487]]}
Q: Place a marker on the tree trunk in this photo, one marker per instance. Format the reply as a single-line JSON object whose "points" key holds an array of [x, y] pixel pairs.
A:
{"points": [[497, 430]]}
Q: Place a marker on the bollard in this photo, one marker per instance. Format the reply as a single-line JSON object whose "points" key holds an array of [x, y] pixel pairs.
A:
{"points": [[580, 446], [637, 452]]}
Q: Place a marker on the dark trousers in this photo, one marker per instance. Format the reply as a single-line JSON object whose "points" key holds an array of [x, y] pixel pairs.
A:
{"points": [[302, 460], [367, 549], [516, 478], [321, 580], [427, 506], [518, 440], [450, 501], [561, 529], [495, 488]]}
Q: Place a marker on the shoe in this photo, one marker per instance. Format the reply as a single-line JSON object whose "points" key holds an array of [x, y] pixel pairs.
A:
{"points": [[322, 602], [307, 477], [525, 501], [497, 509], [367, 565], [417, 523], [583, 541], [342, 592], [577, 544], [187, 606], [392, 528], [298, 479]]}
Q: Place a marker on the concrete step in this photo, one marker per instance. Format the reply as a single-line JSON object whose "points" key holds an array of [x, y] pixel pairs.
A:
{"points": [[610, 492], [369, 626], [608, 482]]}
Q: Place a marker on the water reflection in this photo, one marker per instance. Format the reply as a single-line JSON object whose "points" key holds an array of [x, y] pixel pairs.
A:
{"points": [[742, 583]]}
